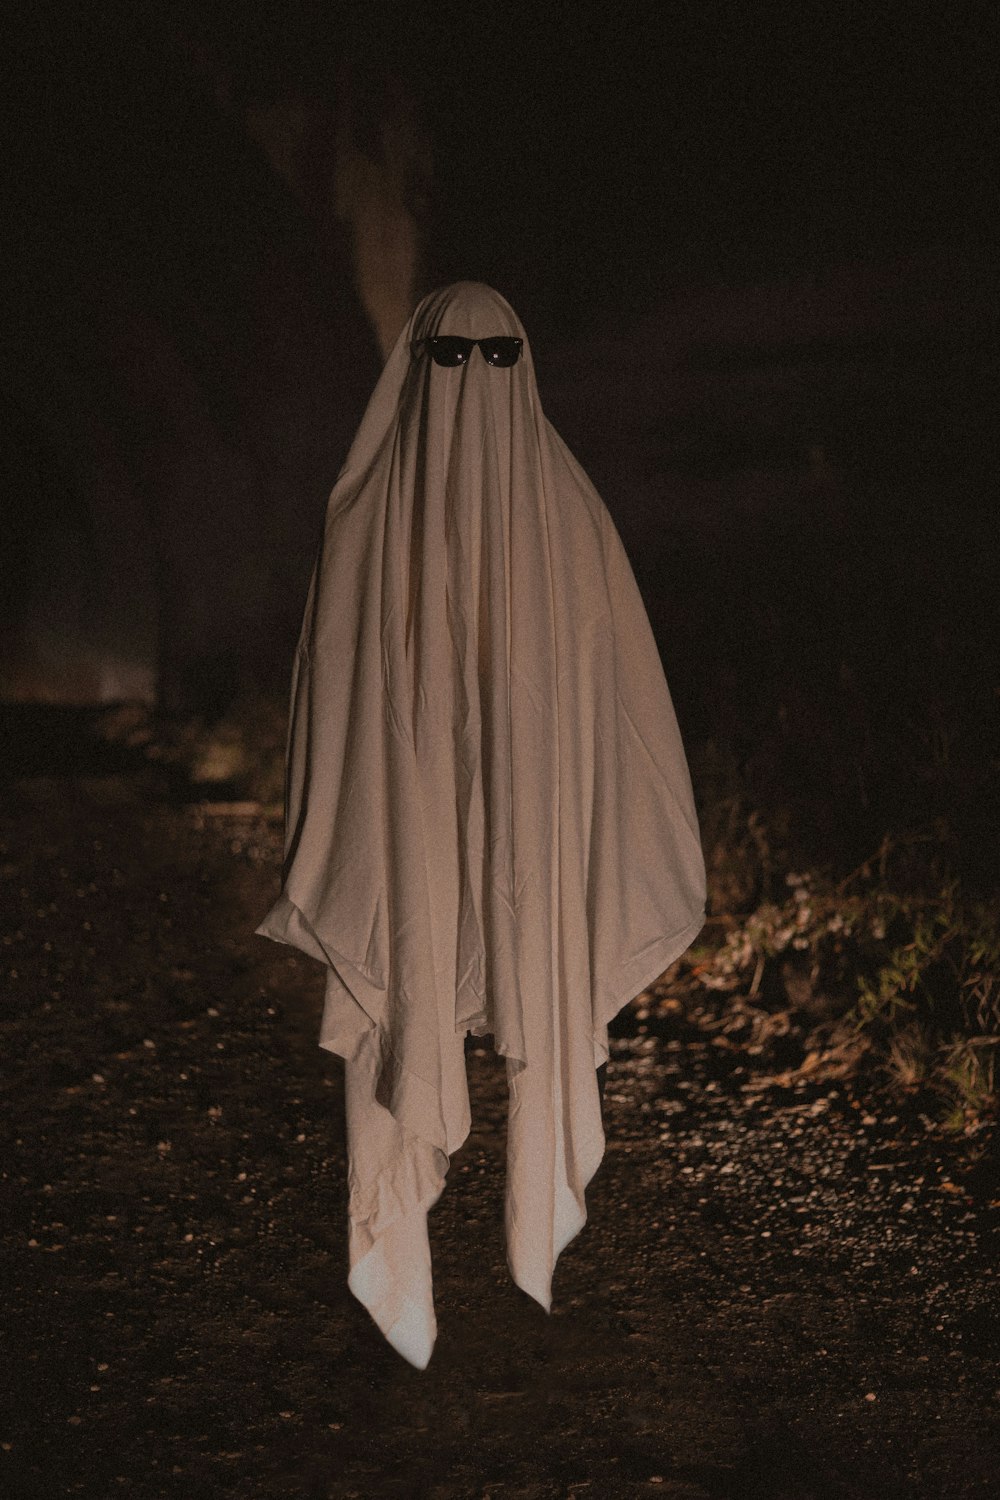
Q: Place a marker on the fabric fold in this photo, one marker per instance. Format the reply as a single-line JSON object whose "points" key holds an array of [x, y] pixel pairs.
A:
{"points": [[489, 822]]}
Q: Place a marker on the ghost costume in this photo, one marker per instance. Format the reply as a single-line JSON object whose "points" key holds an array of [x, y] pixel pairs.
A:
{"points": [[489, 823]]}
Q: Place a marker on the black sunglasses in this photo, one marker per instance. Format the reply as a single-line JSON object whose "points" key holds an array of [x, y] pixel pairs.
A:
{"points": [[449, 350]]}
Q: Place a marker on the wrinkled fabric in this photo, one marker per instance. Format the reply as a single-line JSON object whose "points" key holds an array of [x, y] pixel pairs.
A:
{"points": [[489, 822]]}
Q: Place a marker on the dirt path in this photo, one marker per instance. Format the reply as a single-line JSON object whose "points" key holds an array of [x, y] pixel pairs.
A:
{"points": [[796, 1301]]}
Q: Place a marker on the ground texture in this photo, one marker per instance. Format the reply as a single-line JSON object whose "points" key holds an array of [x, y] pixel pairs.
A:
{"points": [[790, 1293]]}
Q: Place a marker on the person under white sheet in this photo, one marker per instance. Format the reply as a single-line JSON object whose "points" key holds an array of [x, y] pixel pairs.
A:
{"points": [[489, 821]]}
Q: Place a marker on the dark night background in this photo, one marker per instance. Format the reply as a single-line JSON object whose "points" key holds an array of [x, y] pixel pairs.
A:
{"points": [[752, 247]]}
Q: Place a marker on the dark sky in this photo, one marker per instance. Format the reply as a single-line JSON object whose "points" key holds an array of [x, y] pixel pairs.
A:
{"points": [[580, 147], [181, 320], [583, 150]]}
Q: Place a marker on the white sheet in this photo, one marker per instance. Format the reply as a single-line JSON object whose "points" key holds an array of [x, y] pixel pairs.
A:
{"points": [[489, 819]]}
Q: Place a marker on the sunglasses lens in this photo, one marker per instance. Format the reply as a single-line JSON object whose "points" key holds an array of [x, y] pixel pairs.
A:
{"points": [[501, 352], [449, 350]]}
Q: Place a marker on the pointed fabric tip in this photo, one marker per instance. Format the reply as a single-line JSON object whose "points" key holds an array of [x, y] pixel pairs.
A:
{"points": [[536, 1287], [392, 1280], [412, 1336], [396, 1175]]}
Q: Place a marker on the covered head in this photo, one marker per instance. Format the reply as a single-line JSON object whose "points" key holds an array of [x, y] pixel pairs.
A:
{"points": [[489, 820], [474, 402]]}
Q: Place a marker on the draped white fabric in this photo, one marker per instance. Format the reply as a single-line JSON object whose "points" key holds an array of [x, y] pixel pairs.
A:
{"points": [[489, 824]]}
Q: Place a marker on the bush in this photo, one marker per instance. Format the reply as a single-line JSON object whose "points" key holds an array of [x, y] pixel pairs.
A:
{"points": [[895, 949]]}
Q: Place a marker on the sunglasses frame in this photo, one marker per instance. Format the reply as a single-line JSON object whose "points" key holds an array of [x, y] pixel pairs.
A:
{"points": [[466, 346]]}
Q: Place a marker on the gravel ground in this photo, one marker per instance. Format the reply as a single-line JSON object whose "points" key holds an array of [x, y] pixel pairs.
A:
{"points": [[788, 1293]]}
